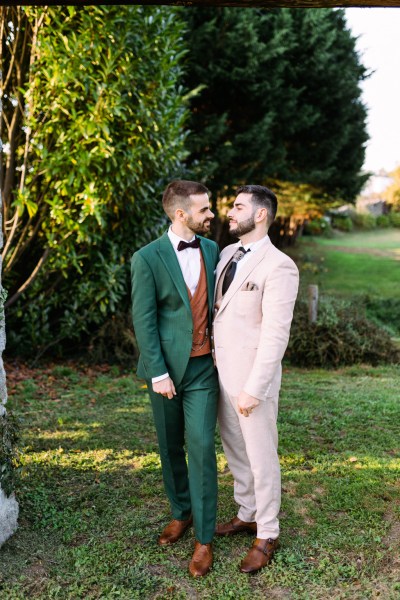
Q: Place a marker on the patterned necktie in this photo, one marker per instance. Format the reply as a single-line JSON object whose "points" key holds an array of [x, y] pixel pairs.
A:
{"points": [[231, 270], [194, 244]]}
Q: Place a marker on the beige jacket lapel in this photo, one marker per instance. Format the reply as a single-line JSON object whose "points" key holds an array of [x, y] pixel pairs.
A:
{"points": [[228, 253], [244, 272]]}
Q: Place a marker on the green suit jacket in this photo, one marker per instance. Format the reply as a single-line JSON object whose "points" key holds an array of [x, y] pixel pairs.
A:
{"points": [[161, 313]]}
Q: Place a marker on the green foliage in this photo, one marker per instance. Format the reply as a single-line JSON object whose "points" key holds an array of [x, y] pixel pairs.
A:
{"points": [[9, 454], [115, 341], [363, 221], [342, 335], [106, 113], [317, 227], [394, 218], [342, 223], [383, 221], [286, 105]]}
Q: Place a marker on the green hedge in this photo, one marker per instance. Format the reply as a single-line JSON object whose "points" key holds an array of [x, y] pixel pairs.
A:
{"points": [[394, 219], [342, 335]]}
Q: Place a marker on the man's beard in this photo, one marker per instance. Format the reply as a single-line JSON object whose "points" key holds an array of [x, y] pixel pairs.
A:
{"points": [[198, 227], [243, 227]]}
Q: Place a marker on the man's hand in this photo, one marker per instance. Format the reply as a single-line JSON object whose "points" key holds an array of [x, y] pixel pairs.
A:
{"points": [[246, 403], [165, 387]]}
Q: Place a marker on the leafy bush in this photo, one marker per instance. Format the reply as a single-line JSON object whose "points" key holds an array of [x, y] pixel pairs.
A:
{"points": [[317, 227], [364, 221], [342, 223], [383, 221], [107, 115], [115, 341], [394, 219], [342, 335]]}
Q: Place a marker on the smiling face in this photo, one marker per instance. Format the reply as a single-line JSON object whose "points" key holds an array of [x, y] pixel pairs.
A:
{"points": [[242, 216], [199, 216]]}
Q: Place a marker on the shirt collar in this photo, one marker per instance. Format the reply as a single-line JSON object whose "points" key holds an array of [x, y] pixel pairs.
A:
{"points": [[175, 239], [253, 246]]}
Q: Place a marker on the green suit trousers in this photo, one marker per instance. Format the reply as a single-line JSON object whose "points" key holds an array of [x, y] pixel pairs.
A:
{"points": [[191, 486]]}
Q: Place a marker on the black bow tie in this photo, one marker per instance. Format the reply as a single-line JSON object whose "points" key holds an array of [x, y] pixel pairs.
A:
{"points": [[194, 244]]}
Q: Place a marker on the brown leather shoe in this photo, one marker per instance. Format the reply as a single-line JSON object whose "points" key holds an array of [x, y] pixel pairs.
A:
{"points": [[236, 525], [202, 559], [174, 531], [259, 555]]}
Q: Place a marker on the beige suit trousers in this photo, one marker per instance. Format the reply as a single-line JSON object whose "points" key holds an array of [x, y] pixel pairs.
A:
{"points": [[251, 448]]}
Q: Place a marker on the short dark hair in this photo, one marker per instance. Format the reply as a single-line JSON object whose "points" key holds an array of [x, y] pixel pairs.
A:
{"points": [[177, 195], [261, 197]]}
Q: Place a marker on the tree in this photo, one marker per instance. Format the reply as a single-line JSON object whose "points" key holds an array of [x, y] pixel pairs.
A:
{"points": [[277, 97], [93, 124], [392, 193]]}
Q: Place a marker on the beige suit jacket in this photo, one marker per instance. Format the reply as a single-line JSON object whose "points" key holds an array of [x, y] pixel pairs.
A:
{"points": [[252, 325]]}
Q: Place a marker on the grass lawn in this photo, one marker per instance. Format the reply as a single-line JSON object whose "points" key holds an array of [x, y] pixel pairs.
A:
{"points": [[352, 263], [377, 239], [92, 501]]}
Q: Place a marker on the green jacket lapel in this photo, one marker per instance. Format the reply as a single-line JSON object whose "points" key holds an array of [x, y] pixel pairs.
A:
{"points": [[168, 257], [209, 266]]}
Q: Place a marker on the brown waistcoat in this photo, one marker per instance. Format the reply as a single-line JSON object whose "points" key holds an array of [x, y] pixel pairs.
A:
{"points": [[199, 305]]}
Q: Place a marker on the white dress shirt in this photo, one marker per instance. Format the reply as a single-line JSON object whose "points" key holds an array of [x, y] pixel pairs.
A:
{"points": [[189, 261], [253, 246]]}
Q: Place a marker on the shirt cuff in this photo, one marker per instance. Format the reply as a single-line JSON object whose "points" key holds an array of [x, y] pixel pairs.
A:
{"points": [[159, 378]]}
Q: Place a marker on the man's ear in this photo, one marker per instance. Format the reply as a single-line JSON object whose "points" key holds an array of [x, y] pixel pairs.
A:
{"points": [[261, 215], [179, 214]]}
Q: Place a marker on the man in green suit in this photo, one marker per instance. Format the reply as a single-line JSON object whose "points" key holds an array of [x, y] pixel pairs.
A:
{"points": [[172, 294]]}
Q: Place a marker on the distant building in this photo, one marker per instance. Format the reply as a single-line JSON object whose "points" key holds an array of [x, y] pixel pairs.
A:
{"points": [[370, 199]]}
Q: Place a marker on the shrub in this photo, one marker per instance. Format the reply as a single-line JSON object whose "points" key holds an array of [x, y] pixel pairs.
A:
{"points": [[364, 221], [317, 227], [342, 223], [394, 219], [115, 342], [383, 221], [342, 335]]}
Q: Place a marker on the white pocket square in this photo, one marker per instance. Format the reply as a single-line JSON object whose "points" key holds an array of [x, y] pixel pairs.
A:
{"points": [[249, 286]]}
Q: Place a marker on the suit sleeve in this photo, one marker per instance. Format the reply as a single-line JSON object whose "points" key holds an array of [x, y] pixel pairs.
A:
{"points": [[279, 297], [144, 317]]}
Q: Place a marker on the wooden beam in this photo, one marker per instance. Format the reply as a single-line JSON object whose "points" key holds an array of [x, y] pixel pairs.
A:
{"points": [[242, 3], [276, 3]]}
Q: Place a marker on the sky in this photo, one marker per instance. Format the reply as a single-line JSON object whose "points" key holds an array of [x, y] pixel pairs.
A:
{"points": [[378, 30]]}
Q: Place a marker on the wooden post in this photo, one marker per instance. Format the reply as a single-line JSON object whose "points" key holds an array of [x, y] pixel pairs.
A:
{"points": [[312, 303]]}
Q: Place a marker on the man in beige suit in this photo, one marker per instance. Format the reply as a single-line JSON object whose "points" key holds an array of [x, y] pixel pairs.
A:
{"points": [[256, 289]]}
